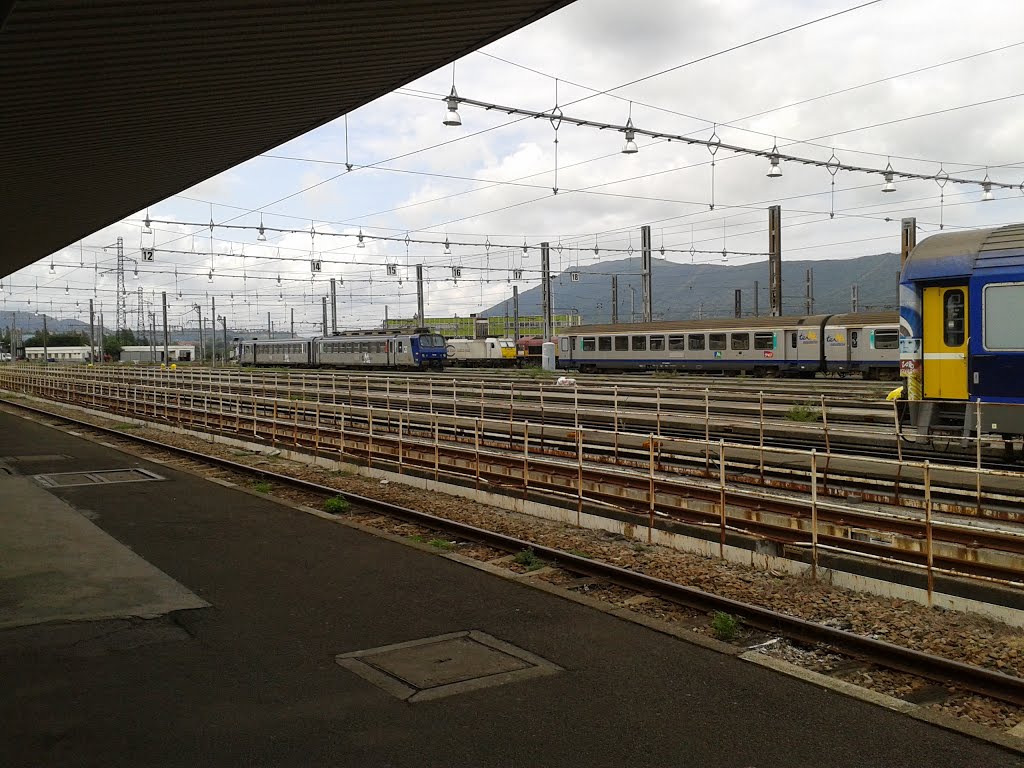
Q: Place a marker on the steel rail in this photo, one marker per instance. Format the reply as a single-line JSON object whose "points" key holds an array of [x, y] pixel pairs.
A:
{"points": [[977, 679]]}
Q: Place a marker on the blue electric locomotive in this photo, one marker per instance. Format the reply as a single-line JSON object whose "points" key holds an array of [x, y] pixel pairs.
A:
{"points": [[962, 332]]}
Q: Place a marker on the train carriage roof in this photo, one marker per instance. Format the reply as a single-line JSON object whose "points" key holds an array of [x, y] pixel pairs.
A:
{"points": [[960, 254], [719, 324], [865, 318]]}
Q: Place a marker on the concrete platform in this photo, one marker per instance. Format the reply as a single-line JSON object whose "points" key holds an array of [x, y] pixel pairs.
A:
{"points": [[58, 566], [254, 678]]}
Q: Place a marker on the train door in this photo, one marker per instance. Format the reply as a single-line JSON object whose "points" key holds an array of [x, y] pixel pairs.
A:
{"points": [[945, 343], [854, 346]]}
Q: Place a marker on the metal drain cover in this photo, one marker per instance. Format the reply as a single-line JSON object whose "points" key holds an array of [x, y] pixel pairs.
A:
{"points": [[97, 477], [444, 665]]}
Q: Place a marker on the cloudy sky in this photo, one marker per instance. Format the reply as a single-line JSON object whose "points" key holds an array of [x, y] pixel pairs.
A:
{"points": [[923, 84]]}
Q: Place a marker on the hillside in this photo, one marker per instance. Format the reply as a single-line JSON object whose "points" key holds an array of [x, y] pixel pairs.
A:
{"points": [[684, 291]]}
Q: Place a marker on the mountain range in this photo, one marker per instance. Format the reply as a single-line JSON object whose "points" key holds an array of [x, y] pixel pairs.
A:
{"points": [[693, 291]]}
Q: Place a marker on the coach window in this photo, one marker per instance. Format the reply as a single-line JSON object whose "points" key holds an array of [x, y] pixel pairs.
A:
{"points": [[889, 339], [696, 341], [764, 341], [657, 343], [622, 343], [741, 341], [676, 343], [639, 343], [952, 319], [716, 341], [854, 339], [1002, 303], [589, 344], [604, 344]]}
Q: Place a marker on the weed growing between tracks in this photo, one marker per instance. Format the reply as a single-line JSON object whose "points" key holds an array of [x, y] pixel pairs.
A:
{"points": [[725, 627], [262, 487], [336, 505], [803, 413], [529, 560]]}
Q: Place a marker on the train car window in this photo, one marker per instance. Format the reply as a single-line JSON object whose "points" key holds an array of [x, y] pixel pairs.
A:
{"points": [[677, 343], [854, 339], [792, 339], [622, 343], [764, 341], [887, 340], [696, 341], [741, 341], [953, 319], [1002, 303], [716, 341], [604, 344], [589, 344], [639, 343], [657, 343]]}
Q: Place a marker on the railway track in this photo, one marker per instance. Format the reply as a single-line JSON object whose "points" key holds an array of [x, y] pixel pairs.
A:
{"points": [[854, 425], [891, 656], [929, 517]]}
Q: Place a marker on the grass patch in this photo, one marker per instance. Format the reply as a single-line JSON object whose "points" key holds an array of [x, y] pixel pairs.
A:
{"points": [[262, 487], [529, 559], [580, 553], [336, 505], [442, 544], [802, 412], [638, 547], [725, 627]]}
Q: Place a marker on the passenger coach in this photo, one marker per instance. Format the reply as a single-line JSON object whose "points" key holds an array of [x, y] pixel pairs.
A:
{"points": [[962, 331], [766, 346], [409, 349]]}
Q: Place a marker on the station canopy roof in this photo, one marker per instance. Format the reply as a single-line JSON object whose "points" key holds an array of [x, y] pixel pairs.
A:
{"points": [[111, 106]]}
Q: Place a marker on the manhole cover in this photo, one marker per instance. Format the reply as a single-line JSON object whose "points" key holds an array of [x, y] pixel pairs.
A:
{"points": [[97, 477], [445, 665]]}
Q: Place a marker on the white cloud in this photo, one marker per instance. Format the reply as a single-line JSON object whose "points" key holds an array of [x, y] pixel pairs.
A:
{"points": [[603, 44]]}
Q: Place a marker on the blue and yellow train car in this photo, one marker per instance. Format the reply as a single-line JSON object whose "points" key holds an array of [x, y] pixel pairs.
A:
{"points": [[962, 332]]}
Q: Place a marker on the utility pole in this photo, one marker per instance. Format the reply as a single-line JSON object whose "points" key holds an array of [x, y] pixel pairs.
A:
{"points": [[224, 326], [632, 304], [809, 297], [645, 268], [419, 296], [775, 260], [738, 297], [46, 344], [323, 299], [334, 306], [163, 301], [854, 298], [385, 326], [102, 345], [293, 322], [121, 317], [92, 334], [908, 238], [757, 290], [700, 311], [615, 298], [213, 328], [545, 281], [202, 346], [152, 337], [515, 312]]}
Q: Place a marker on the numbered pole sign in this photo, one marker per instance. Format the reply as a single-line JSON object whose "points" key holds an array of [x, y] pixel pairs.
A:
{"points": [[456, 272], [316, 265], [147, 254], [392, 270], [574, 277], [517, 274]]}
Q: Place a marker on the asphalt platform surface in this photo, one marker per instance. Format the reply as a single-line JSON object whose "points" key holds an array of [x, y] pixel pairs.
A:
{"points": [[252, 679]]}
